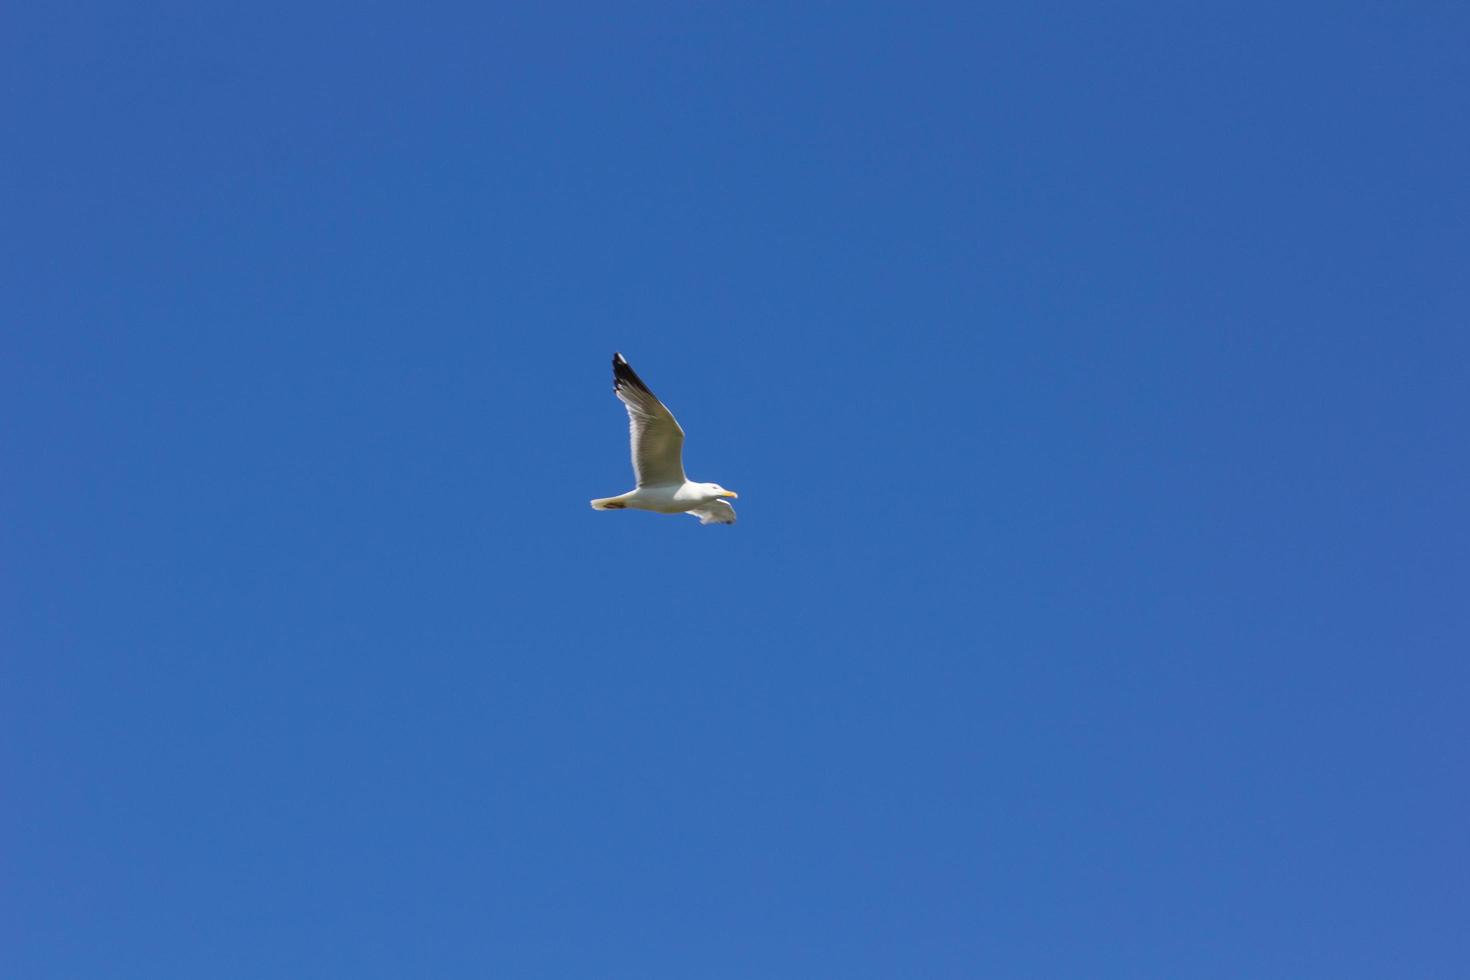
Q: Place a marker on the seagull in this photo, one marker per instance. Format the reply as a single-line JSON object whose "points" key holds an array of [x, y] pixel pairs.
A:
{"points": [[658, 445]]}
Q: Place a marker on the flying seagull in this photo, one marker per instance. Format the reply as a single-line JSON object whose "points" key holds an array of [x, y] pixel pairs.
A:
{"points": [[658, 445]]}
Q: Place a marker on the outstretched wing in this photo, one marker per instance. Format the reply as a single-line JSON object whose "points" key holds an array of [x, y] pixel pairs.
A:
{"points": [[658, 442], [715, 512]]}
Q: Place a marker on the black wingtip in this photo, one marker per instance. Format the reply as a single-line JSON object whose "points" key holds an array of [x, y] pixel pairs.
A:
{"points": [[625, 375]]}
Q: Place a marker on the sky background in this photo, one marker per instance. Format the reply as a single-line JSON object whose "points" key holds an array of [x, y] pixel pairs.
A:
{"points": [[1094, 380]]}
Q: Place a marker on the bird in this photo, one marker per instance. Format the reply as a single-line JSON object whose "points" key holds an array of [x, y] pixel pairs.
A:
{"points": [[658, 465]]}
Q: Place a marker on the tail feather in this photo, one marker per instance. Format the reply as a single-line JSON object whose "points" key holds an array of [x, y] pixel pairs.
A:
{"points": [[609, 503]]}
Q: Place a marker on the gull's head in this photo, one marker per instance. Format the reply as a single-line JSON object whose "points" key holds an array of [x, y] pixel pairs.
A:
{"points": [[717, 492]]}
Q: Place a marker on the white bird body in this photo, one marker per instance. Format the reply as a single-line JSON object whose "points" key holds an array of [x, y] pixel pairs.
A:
{"points": [[669, 498], [658, 444]]}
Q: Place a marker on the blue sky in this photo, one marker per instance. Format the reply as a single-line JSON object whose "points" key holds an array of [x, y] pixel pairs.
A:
{"points": [[1094, 381]]}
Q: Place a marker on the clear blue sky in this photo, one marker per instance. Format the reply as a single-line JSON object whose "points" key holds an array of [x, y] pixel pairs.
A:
{"points": [[1094, 381]]}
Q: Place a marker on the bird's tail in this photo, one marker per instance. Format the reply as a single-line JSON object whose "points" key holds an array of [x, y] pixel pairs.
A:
{"points": [[609, 503]]}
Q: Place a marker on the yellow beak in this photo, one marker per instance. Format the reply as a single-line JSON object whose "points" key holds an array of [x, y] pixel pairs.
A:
{"points": [[731, 494]]}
